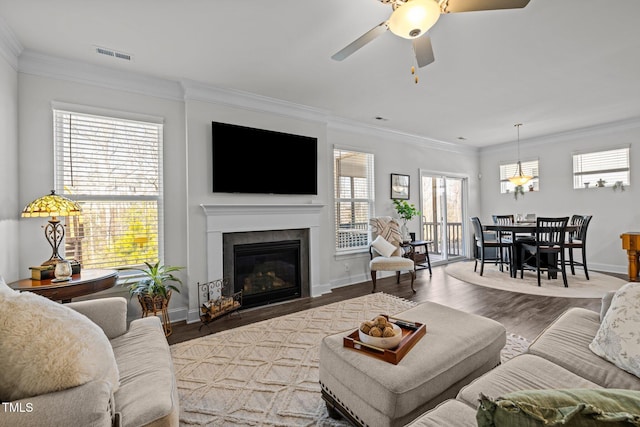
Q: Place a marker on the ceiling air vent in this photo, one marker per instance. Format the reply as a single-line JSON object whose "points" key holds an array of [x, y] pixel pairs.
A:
{"points": [[112, 53]]}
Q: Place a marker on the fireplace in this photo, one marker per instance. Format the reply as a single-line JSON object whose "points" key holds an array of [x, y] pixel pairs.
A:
{"points": [[268, 266], [224, 220], [267, 272]]}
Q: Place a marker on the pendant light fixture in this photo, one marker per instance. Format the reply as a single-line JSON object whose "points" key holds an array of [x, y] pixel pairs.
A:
{"points": [[519, 178]]}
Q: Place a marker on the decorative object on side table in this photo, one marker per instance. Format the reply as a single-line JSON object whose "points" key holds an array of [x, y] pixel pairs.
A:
{"points": [[46, 272], [52, 205], [601, 183], [215, 305], [618, 186], [62, 272], [154, 290], [399, 186], [406, 211]]}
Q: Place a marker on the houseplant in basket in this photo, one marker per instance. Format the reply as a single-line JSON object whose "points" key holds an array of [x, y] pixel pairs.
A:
{"points": [[154, 289]]}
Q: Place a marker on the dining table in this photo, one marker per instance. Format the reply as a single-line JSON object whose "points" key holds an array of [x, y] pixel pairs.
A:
{"points": [[526, 231]]}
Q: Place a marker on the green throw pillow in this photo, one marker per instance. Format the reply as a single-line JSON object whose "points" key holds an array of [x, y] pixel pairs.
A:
{"points": [[567, 408]]}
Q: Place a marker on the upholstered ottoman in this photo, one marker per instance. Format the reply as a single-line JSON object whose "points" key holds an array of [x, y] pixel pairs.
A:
{"points": [[457, 348]]}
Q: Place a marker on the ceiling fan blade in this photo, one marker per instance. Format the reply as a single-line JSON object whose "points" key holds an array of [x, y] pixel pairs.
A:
{"points": [[423, 50], [453, 6], [361, 41]]}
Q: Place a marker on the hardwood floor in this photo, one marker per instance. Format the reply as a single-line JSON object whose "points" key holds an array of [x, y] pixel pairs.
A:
{"points": [[521, 314]]}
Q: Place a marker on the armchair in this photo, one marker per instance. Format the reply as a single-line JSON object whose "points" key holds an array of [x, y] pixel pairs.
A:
{"points": [[386, 252]]}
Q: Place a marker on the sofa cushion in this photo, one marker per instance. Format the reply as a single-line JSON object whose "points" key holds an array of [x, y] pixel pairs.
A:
{"points": [[451, 413], [385, 248], [46, 347], [147, 393], [566, 343], [566, 407], [617, 337], [524, 372]]}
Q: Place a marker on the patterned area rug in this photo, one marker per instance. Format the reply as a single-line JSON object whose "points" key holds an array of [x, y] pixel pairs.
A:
{"points": [[579, 287], [266, 373]]}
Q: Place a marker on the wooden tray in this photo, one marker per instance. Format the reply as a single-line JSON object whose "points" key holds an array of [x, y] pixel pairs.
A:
{"points": [[410, 337]]}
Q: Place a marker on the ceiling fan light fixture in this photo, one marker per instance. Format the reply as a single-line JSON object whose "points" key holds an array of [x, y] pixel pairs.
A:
{"points": [[414, 18]]}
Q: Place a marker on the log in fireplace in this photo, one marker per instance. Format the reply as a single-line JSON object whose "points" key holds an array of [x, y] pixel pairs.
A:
{"points": [[267, 272]]}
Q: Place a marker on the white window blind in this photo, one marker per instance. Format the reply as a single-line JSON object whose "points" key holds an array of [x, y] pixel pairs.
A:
{"points": [[605, 167], [354, 198], [508, 170], [112, 167]]}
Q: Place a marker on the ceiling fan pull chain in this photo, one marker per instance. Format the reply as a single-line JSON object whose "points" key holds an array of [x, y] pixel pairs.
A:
{"points": [[413, 72]]}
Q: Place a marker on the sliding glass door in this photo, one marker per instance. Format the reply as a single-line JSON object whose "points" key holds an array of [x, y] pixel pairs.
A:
{"points": [[443, 206]]}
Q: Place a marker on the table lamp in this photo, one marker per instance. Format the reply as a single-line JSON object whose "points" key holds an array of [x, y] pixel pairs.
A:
{"points": [[52, 205]]}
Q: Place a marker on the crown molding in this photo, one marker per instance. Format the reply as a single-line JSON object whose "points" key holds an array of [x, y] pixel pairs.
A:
{"points": [[346, 125], [39, 64], [10, 47], [560, 137], [197, 91]]}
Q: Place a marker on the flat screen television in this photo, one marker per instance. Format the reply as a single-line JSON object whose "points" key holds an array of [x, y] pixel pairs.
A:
{"points": [[250, 160]]}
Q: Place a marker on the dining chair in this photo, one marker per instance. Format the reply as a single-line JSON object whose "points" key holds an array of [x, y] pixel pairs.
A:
{"points": [[484, 242], [386, 250], [550, 237], [506, 237], [578, 240]]}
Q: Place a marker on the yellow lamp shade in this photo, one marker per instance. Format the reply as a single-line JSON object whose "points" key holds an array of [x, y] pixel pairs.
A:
{"points": [[51, 205], [414, 18]]}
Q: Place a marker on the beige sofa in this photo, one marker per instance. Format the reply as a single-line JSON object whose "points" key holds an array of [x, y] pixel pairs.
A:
{"points": [[147, 393], [559, 358]]}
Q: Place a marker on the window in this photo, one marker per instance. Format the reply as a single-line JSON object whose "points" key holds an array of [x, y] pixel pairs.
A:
{"points": [[112, 168], [354, 198], [601, 168], [509, 170]]}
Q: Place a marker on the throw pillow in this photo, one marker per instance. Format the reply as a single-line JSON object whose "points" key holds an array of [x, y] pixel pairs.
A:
{"points": [[4, 288], [385, 248], [388, 228], [568, 408], [46, 346], [617, 337]]}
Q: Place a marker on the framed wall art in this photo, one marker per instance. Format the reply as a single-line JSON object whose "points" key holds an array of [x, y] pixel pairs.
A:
{"points": [[399, 186]]}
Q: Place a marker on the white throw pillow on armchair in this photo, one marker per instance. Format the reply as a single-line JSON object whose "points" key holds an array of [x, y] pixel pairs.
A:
{"points": [[617, 338], [385, 248], [46, 347]]}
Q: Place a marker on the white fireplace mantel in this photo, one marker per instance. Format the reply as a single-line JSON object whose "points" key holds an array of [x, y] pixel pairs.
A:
{"points": [[243, 217]]}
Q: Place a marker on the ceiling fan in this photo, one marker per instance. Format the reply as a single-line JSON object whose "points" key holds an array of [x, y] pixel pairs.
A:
{"points": [[411, 19]]}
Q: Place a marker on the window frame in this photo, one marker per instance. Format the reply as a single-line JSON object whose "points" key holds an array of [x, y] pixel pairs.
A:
{"points": [[369, 199], [59, 166], [507, 170], [610, 168]]}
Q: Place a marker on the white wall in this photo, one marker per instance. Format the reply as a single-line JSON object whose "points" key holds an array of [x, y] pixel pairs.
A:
{"points": [[613, 212], [36, 168], [404, 155], [9, 205]]}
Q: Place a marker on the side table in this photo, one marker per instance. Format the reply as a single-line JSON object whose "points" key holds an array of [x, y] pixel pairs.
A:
{"points": [[85, 283], [420, 258]]}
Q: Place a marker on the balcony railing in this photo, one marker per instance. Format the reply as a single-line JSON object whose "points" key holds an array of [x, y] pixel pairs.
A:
{"points": [[433, 231], [351, 236]]}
